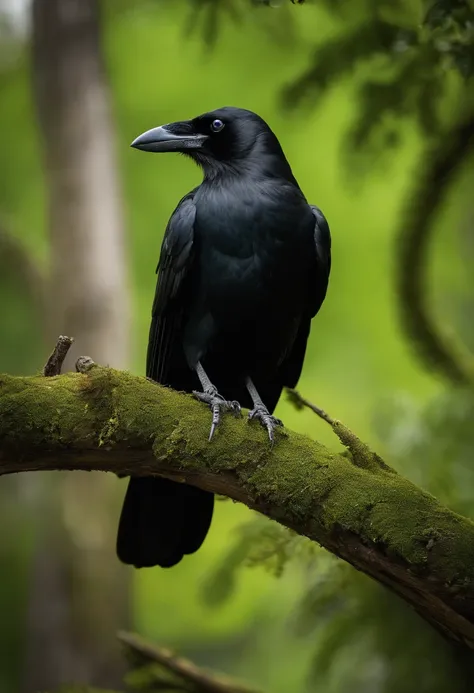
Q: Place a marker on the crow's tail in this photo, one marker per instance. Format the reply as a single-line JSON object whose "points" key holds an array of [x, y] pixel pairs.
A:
{"points": [[161, 521]]}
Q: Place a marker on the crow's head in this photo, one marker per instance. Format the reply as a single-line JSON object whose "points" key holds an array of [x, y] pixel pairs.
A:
{"points": [[224, 137]]}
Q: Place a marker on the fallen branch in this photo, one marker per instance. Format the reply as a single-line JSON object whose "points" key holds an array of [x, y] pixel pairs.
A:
{"points": [[353, 505], [186, 675]]}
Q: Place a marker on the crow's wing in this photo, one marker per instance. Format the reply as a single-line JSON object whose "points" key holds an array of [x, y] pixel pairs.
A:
{"points": [[322, 243], [291, 367], [176, 259]]}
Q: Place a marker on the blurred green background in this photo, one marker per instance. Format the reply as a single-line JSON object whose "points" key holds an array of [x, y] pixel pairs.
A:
{"points": [[319, 625]]}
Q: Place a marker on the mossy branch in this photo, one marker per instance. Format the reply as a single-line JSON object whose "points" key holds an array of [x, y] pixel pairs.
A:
{"points": [[359, 510]]}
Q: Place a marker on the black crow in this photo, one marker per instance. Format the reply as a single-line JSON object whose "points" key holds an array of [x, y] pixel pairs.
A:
{"points": [[244, 267]]}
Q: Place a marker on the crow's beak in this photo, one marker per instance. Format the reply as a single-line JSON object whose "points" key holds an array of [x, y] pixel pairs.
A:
{"points": [[175, 137]]}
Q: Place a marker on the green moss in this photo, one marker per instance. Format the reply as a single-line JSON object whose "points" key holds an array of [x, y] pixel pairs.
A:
{"points": [[328, 497], [361, 454], [43, 410]]}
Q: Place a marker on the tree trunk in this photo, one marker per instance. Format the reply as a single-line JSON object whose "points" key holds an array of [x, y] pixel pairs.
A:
{"points": [[79, 591], [88, 294]]}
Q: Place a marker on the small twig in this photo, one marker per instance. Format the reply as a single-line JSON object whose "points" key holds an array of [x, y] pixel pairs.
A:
{"points": [[54, 363], [299, 402], [362, 455], [201, 681]]}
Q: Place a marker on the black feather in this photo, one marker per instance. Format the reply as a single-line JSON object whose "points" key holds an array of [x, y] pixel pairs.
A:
{"points": [[244, 267]]}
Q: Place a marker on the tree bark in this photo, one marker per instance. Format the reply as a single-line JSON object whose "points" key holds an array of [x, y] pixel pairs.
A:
{"points": [[87, 296], [88, 291], [354, 505]]}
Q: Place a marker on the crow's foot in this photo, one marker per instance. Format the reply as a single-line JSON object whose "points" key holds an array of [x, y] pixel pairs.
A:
{"points": [[261, 413], [217, 405]]}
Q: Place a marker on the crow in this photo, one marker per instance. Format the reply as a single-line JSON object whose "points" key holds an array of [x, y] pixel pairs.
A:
{"points": [[244, 267]]}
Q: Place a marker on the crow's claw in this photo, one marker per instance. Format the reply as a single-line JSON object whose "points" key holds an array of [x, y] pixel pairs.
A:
{"points": [[268, 421], [217, 405]]}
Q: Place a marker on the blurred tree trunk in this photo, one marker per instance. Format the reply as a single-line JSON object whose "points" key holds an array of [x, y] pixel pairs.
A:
{"points": [[88, 289], [79, 591]]}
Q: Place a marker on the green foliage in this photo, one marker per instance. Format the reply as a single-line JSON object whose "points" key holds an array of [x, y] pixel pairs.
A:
{"points": [[452, 25], [205, 17], [404, 53], [403, 60], [354, 619], [260, 543]]}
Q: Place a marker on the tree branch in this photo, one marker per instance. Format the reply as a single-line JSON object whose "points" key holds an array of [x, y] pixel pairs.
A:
{"points": [[186, 674], [355, 506], [433, 345], [55, 361], [360, 453]]}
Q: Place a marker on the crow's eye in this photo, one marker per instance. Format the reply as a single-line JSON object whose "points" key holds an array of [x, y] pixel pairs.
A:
{"points": [[217, 125]]}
